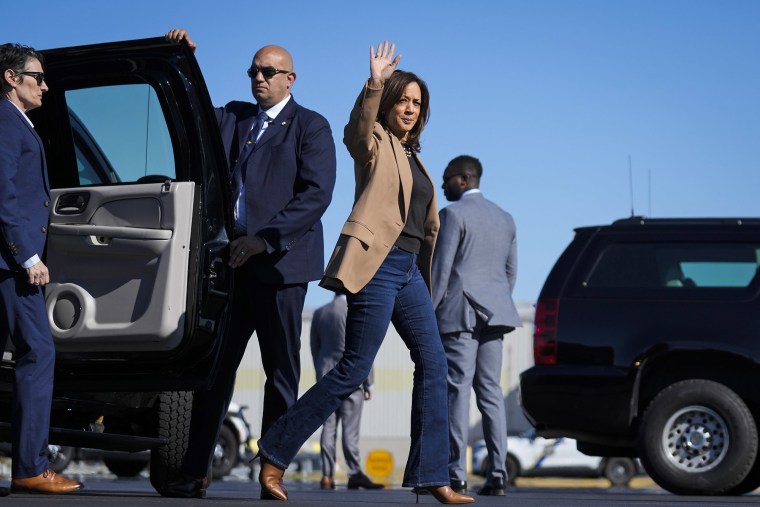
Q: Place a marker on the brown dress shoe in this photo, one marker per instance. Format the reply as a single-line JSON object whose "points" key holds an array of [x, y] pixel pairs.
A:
{"points": [[327, 482], [270, 478], [444, 494], [47, 482]]}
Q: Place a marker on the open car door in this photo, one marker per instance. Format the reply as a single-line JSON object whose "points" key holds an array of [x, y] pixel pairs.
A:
{"points": [[137, 247], [137, 237]]}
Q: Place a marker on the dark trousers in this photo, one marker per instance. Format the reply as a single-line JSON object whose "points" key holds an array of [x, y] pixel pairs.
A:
{"points": [[274, 313], [24, 319], [349, 414]]}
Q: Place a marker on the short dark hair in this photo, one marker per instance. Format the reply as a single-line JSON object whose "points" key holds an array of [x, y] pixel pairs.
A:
{"points": [[14, 57], [392, 91], [468, 165]]}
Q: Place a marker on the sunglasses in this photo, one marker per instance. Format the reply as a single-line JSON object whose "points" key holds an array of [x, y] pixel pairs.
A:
{"points": [[267, 72], [446, 180], [38, 76]]}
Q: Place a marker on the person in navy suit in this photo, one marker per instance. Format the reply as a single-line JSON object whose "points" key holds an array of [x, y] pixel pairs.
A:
{"points": [[282, 173], [24, 210]]}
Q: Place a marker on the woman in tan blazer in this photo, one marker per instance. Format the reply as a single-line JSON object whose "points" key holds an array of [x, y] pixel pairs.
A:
{"points": [[382, 262]]}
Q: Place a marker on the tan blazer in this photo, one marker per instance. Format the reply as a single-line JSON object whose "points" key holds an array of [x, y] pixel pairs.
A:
{"points": [[382, 175]]}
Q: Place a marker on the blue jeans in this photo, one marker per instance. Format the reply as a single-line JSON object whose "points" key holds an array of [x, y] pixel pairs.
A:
{"points": [[397, 293]]}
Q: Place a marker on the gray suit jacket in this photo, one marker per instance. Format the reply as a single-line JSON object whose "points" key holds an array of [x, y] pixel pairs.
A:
{"points": [[328, 336], [475, 266]]}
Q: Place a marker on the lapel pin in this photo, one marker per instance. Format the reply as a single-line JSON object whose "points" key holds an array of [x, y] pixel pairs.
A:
{"points": [[284, 123]]}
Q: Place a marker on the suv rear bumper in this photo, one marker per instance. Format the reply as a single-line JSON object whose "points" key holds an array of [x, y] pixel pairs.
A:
{"points": [[589, 403]]}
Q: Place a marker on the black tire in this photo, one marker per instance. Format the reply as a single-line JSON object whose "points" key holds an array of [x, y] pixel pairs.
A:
{"points": [[749, 483], [513, 469], [173, 412], [619, 471], [61, 458], [124, 468], [226, 454], [698, 437]]}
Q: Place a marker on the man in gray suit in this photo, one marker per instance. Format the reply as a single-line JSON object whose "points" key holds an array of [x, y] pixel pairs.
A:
{"points": [[474, 272], [328, 340]]}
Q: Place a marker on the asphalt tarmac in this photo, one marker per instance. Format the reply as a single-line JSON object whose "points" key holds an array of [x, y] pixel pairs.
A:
{"points": [[104, 489]]}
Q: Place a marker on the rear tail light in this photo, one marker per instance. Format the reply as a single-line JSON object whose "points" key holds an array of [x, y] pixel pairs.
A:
{"points": [[545, 332]]}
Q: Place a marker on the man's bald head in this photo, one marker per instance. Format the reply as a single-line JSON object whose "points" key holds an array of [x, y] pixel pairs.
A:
{"points": [[271, 90], [279, 53]]}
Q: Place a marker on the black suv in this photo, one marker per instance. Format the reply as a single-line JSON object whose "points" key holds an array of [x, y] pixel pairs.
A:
{"points": [[137, 247], [647, 343]]}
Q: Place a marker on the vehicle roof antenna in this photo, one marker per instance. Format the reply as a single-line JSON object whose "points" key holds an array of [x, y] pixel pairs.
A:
{"points": [[650, 192], [630, 183]]}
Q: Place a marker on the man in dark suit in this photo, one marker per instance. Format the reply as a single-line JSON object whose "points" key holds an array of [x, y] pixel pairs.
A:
{"points": [[24, 210], [474, 272], [328, 341], [282, 173]]}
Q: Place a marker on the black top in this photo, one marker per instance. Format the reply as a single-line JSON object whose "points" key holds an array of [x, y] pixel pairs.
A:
{"points": [[422, 194]]}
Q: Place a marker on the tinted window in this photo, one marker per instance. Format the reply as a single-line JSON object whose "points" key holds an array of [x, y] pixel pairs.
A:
{"points": [[671, 266], [120, 134]]}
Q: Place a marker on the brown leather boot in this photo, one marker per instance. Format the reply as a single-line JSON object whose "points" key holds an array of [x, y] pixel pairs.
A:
{"points": [[444, 494], [270, 478]]}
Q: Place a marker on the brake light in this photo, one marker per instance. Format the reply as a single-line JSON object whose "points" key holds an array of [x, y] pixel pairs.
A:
{"points": [[545, 332]]}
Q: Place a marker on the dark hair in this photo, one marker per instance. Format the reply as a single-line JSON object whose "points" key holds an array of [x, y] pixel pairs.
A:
{"points": [[468, 165], [14, 57], [392, 92]]}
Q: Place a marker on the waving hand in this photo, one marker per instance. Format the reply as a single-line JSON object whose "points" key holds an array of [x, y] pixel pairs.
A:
{"points": [[381, 63]]}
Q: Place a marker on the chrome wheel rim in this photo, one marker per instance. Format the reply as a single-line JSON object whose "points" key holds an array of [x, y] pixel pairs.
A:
{"points": [[695, 439]]}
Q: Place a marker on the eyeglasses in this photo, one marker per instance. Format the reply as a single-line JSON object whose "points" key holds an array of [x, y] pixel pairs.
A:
{"points": [[38, 76], [267, 72]]}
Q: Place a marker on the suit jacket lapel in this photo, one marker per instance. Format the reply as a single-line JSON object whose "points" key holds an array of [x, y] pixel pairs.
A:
{"points": [[44, 164], [25, 122], [244, 126], [405, 176], [404, 171], [279, 124], [43, 167]]}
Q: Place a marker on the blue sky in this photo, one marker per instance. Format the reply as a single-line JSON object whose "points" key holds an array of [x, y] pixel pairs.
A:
{"points": [[553, 96]]}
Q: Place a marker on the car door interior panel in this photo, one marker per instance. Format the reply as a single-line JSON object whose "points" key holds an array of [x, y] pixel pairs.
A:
{"points": [[140, 232]]}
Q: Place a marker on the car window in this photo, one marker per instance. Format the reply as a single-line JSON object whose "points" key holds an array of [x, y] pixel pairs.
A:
{"points": [[719, 274], [667, 267], [120, 135]]}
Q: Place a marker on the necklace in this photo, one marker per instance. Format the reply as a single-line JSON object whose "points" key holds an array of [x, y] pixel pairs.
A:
{"points": [[407, 150]]}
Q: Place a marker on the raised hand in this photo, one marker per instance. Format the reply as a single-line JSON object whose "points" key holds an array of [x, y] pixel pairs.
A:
{"points": [[381, 63]]}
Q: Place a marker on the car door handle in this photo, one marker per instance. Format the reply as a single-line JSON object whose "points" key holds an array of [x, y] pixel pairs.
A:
{"points": [[72, 204]]}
